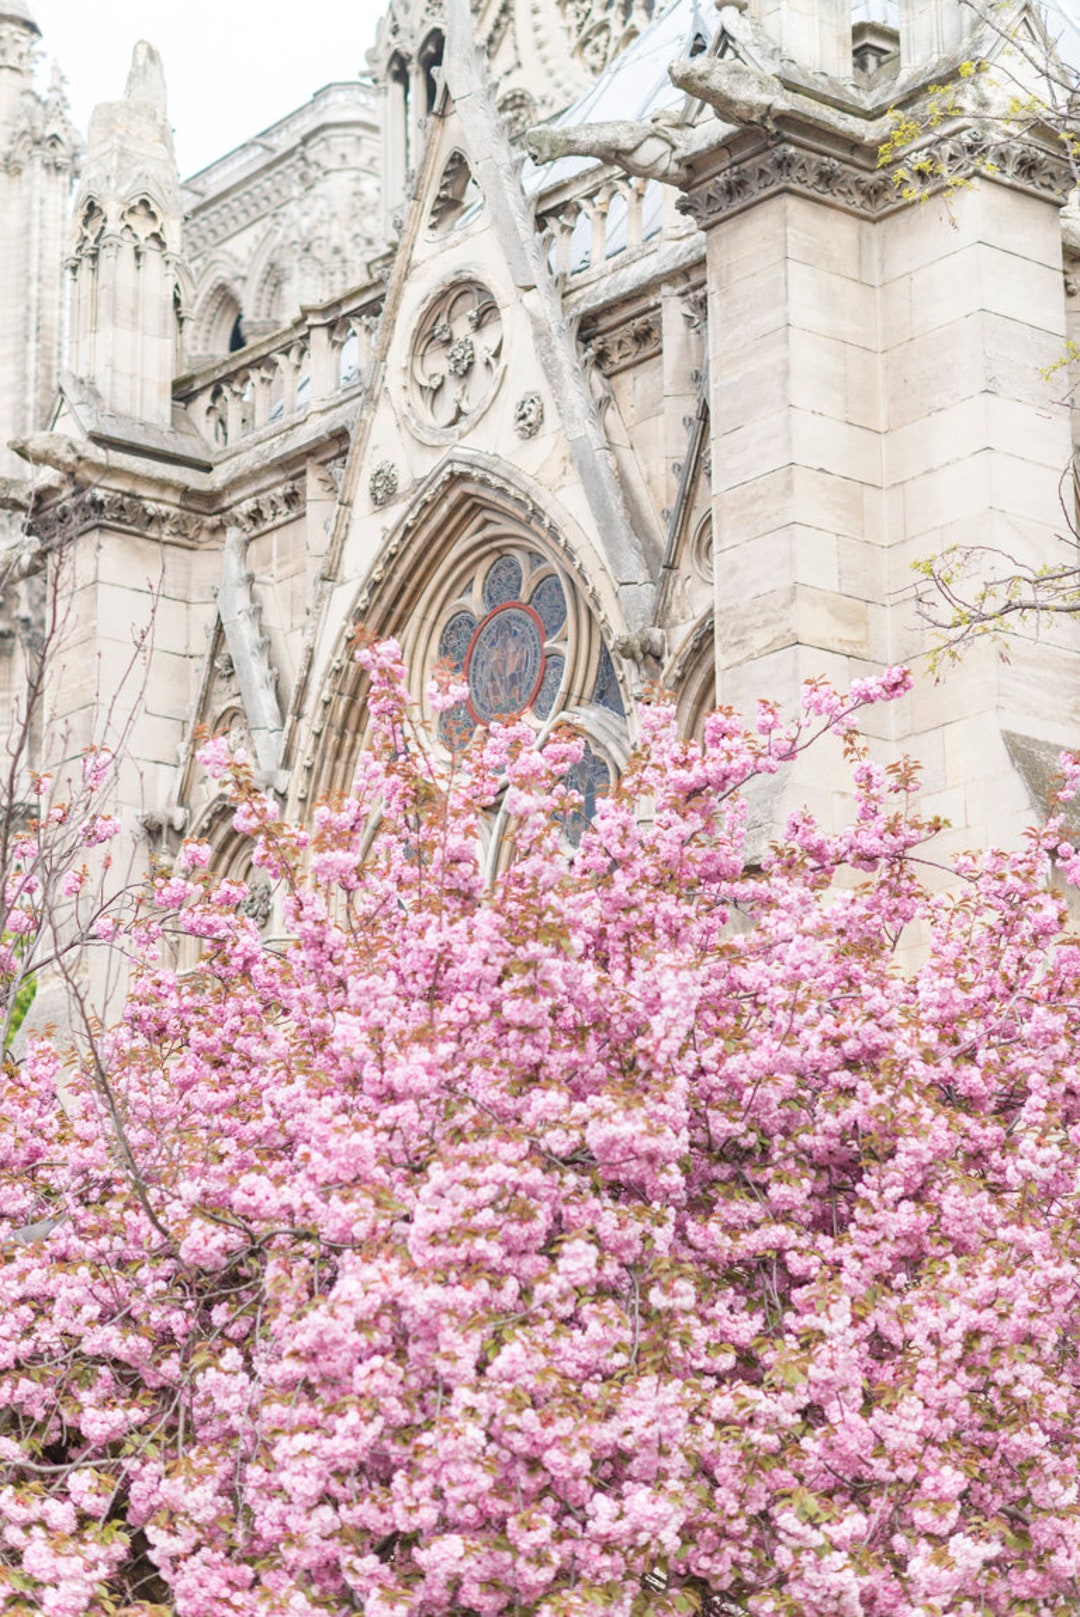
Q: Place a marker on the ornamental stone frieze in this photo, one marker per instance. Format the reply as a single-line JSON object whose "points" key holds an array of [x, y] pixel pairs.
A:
{"points": [[114, 508], [627, 345], [861, 188], [785, 167], [270, 509]]}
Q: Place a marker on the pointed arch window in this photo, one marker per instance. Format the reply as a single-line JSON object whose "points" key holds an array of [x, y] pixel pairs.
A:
{"points": [[508, 633], [514, 625], [479, 583]]}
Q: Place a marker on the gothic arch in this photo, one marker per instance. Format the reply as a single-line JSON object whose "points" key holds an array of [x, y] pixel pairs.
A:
{"points": [[269, 302], [691, 675], [436, 588], [430, 58], [218, 308]]}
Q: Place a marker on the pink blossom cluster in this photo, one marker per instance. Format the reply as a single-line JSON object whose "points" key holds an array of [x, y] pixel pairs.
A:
{"points": [[627, 1231]]}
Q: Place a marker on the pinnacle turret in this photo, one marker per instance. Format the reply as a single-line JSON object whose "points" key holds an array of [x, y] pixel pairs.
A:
{"points": [[125, 260]]}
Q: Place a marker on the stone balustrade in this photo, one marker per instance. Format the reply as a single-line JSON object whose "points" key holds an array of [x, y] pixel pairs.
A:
{"points": [[597, 217], [268, 385]]}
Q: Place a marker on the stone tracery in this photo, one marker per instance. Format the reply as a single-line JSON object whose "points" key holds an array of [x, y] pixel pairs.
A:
{"points": [[456, 355], [484, 587]]}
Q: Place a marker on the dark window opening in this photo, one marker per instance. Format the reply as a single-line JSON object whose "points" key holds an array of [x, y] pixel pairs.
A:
{"points": [[236, 335], [430, 58]]}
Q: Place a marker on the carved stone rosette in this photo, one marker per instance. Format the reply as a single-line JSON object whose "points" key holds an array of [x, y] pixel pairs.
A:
{"points": [[383, 483]]}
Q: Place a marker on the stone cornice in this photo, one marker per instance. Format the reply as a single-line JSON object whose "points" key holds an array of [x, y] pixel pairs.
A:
{"points": [[271, 509], [779, 165], [115, 508], [788, 163], [623, 346]]}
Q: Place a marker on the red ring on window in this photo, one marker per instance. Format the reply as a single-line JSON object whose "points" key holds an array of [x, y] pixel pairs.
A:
{"points": [[507, 606]]}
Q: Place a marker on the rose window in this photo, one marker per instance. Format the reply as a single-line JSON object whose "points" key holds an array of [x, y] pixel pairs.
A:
{"points": [[457, 355], [509, 637], [512, 633]]}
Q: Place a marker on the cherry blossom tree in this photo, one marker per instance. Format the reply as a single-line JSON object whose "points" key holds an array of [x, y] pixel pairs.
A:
{"points": [[632, 1231], [60, 890]]}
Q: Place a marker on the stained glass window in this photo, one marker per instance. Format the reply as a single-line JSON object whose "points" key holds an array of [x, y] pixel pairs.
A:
{"points": [[592, 778], [550, 686], [456, 638], [507, 633], [526, 650], [549, 604], [607, 693], [503, 582], [505, 666]]}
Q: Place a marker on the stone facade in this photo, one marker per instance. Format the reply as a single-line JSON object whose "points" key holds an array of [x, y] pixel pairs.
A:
{"points": [[675, 386]]}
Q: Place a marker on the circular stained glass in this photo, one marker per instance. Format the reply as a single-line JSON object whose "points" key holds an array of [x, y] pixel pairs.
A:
{"points": [[503, 582], [505, 664], [455, 638], [549, 604]]}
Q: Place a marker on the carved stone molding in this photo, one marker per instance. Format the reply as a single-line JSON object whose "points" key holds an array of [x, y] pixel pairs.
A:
{"points": [[436, 493], [627, 345], [271, 509], [1011, 162], [784, 167], [112, 508], [863, 189]]}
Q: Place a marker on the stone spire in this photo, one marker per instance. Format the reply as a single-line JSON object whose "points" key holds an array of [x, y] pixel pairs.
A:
{"points": [[125, 259], [19, 34], [39, 152]]}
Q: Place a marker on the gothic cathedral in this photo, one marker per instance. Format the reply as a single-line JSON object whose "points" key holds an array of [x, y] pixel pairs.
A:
{"points": [[583, 346]]}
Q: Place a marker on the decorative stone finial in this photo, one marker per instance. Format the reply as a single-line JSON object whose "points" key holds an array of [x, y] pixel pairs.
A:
{"points": [[146, 80]]}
